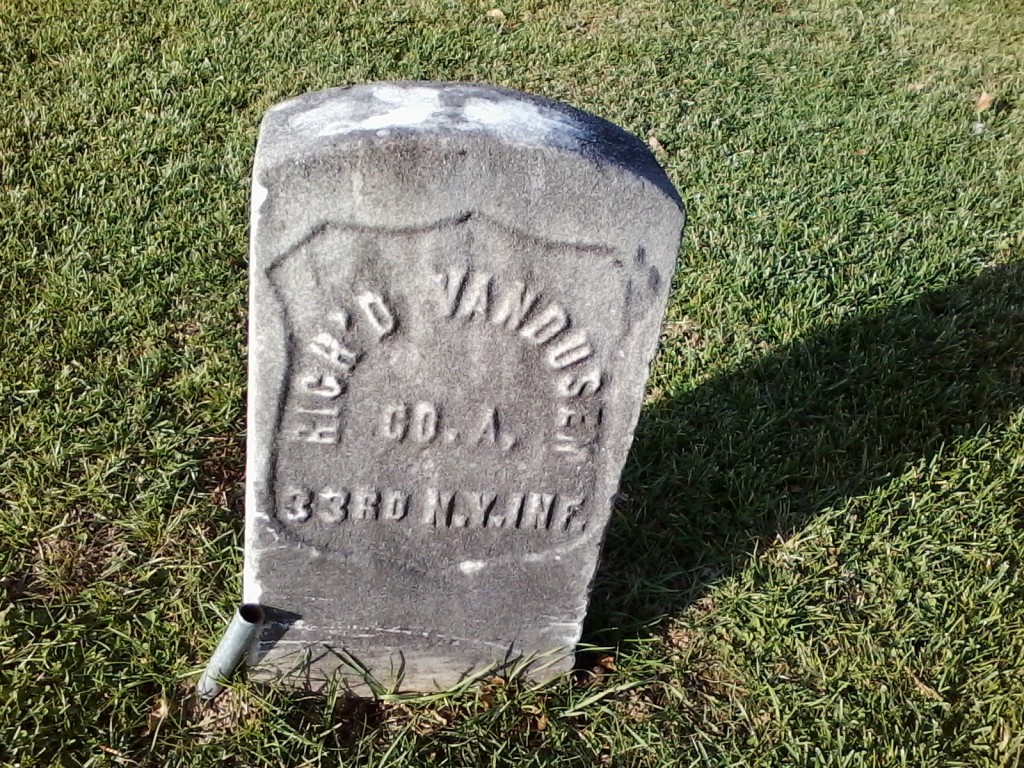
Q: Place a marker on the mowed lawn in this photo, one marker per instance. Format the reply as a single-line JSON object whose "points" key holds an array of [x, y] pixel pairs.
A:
{"points": [[817, 558]]}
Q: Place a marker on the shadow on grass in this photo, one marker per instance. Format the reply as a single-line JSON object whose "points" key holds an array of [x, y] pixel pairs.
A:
{"points": [[721, 471]]}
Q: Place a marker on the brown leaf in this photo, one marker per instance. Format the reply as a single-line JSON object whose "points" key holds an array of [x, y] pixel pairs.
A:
{"points": [[654, 144], [496, 13], [443, 716], [681, 638], [541, 723], [686, 330], [160, 711], [926, 690], [705, 604], [984, 102]]}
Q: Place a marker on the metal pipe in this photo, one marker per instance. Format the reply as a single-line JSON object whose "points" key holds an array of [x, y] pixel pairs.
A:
{"points": [[230, 650]]}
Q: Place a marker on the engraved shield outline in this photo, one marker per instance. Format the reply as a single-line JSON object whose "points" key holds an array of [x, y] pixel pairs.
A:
{"points": [[263, 480]]}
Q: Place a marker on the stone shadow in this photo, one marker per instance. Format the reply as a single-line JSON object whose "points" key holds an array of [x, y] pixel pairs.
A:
{"points": [[723, 470]]}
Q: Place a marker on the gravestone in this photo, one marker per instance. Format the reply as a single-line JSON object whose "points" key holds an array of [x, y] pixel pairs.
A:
{"points": [[456, 292]]}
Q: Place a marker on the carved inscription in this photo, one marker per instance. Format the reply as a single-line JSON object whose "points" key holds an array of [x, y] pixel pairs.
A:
{"points": [[327, 358], [333, 354], [470, 296], [576, 430], [423, 423], [434, 508]]}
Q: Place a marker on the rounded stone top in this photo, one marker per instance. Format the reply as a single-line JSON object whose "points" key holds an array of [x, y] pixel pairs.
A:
{"points": [[386, 110]]}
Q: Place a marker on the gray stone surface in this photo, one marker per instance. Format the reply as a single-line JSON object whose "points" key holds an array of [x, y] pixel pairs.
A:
{"points": [[456, 292]]}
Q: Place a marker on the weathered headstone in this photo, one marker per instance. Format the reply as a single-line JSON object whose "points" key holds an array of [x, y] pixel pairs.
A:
{"points": [[456, 291]]}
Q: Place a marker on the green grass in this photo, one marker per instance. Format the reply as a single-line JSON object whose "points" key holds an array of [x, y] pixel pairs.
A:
{"points": [[818, 558]]}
